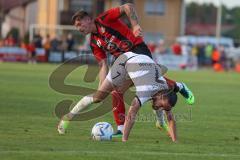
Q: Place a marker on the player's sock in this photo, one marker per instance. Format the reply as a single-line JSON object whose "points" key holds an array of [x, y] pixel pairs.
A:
{"points": [[83, 103], [64, 122], [160, 123], [179, 85], [160, 116], [119, 131], [120, 127]]}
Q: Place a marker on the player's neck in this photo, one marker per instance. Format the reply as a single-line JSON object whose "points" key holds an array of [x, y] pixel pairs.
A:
{"points": [[94, 27]]}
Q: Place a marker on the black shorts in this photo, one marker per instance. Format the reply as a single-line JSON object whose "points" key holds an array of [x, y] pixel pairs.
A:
{"points": [[141, 48]]}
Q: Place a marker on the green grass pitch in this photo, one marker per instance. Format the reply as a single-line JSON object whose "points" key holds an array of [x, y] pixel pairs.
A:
{"points": [[210, 130]]}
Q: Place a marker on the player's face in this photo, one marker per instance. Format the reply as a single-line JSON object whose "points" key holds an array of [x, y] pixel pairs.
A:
{"points": [[160, 102], [83, 25]]}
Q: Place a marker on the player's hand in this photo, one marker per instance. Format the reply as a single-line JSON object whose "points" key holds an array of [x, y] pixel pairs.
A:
{"points": [[137, 31]]}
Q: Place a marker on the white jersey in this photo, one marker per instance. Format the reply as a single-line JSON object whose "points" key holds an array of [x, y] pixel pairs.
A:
{"points": [[143, 71]]}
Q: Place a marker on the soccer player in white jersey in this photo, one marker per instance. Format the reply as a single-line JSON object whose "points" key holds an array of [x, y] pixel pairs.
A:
{"points": [[142, 72]]}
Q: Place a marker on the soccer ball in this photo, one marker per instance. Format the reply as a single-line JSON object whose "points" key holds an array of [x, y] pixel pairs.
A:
{"points": [[102, 131]]}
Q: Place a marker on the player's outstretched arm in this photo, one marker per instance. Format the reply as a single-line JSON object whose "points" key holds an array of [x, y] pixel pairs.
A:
{"points": [[130, 119], [103, 70], [103, 91], [130, 11], [172, 126]]}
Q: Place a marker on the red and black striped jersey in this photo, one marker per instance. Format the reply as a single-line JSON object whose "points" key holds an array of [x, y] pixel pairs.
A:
{"points": [[112, 36]]}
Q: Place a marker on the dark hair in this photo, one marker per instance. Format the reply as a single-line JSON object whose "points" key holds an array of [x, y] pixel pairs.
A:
{"points": [[172, 98], [79, 14], [168, 94]]}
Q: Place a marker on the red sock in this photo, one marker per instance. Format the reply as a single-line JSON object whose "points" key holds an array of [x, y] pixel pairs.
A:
{"points": [[118, 108]]}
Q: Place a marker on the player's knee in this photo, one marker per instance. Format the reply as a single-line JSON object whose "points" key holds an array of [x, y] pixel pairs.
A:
{"points": [[97, 100], [99, 96]]}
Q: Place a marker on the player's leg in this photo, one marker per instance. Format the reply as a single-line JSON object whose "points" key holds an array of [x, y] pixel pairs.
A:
{"points": [[119, 110], [182, 89], [104, 90], [178, 87], [117, 76], [160, 122]]}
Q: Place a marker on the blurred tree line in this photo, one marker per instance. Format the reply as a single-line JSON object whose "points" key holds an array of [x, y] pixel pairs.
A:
{"points": [[207, 14]]}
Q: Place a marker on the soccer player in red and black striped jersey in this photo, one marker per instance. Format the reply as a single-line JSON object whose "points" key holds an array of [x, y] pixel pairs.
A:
{"points": [[109, 35]]}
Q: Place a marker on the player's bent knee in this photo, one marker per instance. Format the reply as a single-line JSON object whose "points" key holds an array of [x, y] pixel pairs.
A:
{"points": [[99, 96], [97, 100]]}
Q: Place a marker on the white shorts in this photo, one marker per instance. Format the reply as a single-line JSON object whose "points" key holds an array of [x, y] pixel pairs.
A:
{"points": [[142, 70]]}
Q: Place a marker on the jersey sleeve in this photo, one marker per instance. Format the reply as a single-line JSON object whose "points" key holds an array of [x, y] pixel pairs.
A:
{"points": [[98, 53], [110, 15]]}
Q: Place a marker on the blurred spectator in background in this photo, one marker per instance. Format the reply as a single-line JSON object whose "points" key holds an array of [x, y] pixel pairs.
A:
{"points": [[216, 60], [201, 54], [24, 44], [208, 54], [224, 60], [31, 50], [237, 66], [10, 41], [194, 50], [63, 43], [186, 49], [70, 42], [161, 47], [151, 46], [176, 49], [46, 43], [215, 56], [63, 46], [37, 40], [56, 44]]}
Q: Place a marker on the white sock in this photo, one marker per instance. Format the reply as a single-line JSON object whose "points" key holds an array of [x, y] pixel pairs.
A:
{"points": [[180, 85], [120, 128], [160, 116], [83, 103]]}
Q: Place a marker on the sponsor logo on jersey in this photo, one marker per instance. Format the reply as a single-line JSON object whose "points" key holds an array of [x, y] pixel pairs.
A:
{"points": [[99, 43], [102, 29]]}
